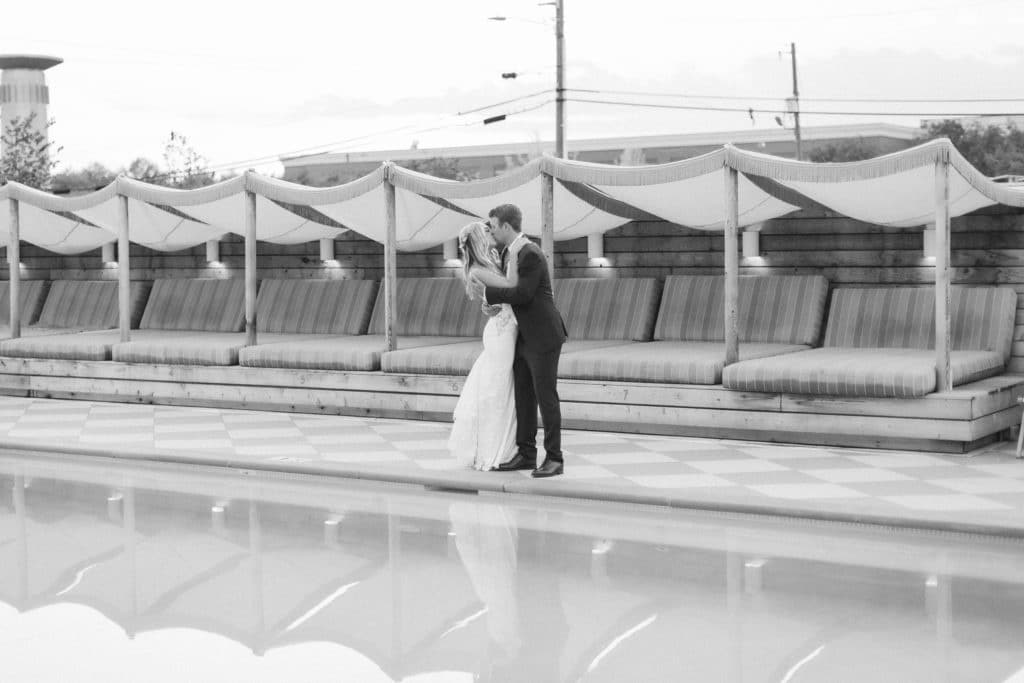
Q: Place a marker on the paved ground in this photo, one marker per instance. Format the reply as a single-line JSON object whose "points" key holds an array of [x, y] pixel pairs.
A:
{"points": [[985, 488]]}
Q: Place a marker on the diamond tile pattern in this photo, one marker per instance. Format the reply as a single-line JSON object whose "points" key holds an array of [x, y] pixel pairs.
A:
{"points": [[988, 482]]}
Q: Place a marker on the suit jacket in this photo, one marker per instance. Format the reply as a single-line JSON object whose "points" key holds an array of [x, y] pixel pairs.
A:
{"points": [[540, 324]]}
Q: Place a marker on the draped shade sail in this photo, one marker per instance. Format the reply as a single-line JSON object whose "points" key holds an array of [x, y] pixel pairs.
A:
{"points": [[895, 190]]}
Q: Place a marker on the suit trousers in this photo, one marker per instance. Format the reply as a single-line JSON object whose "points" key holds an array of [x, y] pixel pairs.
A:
{"points": [[536, 376]]}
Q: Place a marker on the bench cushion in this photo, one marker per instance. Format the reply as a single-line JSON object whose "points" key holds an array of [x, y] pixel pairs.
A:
{"points": [[91, 345], [328, 352], [90, 304], [608, 308], [430, 306], [458, 358], [673, 362], [196, 348], [315, 306], [31, 295], [777, 309], [860, 372], [196, 304]]}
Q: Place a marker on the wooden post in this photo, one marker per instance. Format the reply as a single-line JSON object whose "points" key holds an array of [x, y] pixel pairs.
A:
{"points": [[390, 266], [547, 226], [14, 269], [943, 375], [732, 266], [124, 272], [250, 268]]}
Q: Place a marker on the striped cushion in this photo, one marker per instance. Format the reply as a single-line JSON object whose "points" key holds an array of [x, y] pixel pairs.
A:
{"points": [[859, 372], [615, 308], [194, 348], [884, 317], [31, 294], [196, 304], [674, 362], [315, 306], [458, 358], [779, 309], [90, 304], [360, 352], [92, 345], [983, 319], [432, 306]]}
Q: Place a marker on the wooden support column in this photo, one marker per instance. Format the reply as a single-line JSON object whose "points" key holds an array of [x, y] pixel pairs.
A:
{"points": [[390, 266], [547, 226], [14, 269], [732, 266], [943, 375], [124, 270], [250, 268]]}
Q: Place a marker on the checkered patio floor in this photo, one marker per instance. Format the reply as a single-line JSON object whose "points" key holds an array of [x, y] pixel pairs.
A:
{"points": [[985, 487]]}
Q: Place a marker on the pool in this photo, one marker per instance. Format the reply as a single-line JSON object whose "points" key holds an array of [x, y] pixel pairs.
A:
{"points": [[118, 572]]}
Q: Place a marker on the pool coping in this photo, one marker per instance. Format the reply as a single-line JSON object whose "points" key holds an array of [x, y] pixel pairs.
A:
{"points": [[474, 481]]}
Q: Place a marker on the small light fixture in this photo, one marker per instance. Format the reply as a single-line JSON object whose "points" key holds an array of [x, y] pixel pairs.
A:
{"points": [[213, 251], [327, 249], [751, 244], [595, 246], [929, 241], [451, 250], [109, 254]]}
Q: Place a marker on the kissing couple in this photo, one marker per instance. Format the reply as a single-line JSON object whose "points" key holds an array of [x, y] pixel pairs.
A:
{"points": [[495, 419]]}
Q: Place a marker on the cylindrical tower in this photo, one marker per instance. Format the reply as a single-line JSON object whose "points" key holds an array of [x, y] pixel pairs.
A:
{"points": [[23, 90]]}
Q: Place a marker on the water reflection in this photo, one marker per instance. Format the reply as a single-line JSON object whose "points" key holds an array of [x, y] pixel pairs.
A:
{"points": [[121, 573]]}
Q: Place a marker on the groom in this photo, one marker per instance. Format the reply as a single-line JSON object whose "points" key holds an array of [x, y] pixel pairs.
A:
{"points": [[538, 346]]}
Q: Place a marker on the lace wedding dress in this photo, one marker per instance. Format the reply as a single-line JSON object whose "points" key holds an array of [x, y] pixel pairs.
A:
{"points": [[484, 433]]}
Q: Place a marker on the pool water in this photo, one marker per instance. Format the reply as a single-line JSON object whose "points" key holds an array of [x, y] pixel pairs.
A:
{"points": [[118, 572]]}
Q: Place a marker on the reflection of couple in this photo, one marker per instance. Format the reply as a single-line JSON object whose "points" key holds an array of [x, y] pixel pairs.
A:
{"points": [[522, 343]]}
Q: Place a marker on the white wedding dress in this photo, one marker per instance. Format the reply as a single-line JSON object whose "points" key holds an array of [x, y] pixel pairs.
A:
{"points": [[484, 433]]}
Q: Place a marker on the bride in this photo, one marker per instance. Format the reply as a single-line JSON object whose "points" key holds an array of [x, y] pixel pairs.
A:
{"points": [[484, 430]]}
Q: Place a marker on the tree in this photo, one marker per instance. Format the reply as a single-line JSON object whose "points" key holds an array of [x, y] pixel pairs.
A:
{"points": [[440, 167], [145, 170], [28, 157], [992, 149], [845, 150], [91, 177], [186, 168]]}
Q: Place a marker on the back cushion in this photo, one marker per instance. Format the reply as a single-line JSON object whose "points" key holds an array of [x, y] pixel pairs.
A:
{"points": [[198, 304], [434, 306], [91, 304], [882, 317], [315, 306], [31, 294], [597, 308], [782, 309], [983, 319]]}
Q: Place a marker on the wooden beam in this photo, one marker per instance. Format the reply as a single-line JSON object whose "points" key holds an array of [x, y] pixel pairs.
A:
{"points": [[124, 272], [547, 225], [944, 376], [250, 268], [14, 269], [390, 266], [732, 266]]}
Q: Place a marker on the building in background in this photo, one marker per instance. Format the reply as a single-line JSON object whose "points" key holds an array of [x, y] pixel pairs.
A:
{"points": [[486, 161], [23, 90]]}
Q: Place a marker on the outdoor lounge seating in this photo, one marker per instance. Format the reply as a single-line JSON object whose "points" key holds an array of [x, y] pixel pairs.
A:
{"points": [[777, 315], [597, 313], [430, 311], [31, 295], [879, 343], [74, 306]]}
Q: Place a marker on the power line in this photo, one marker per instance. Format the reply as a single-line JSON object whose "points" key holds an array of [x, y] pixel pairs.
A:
{"points": [[746, 110], [748, 98]]}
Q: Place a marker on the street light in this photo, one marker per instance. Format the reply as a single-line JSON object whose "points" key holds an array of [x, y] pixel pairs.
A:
{"points": [[559, 6]]}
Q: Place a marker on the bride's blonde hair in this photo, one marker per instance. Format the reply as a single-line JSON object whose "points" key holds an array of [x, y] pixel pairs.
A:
{"points": [[473, 248]]}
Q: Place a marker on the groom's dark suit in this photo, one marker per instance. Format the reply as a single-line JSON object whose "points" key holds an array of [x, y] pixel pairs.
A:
{"points": [[538, 347]]}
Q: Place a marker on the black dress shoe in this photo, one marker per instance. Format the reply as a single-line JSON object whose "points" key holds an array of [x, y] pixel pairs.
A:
{"points": [[550, 468], [519, 462]]}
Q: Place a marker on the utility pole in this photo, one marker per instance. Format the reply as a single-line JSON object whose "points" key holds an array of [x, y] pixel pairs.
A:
{"points": [[796, 104], [560, 80]]}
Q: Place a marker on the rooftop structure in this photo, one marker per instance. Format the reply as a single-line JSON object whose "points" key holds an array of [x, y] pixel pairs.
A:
{"points": [[23, 90]]}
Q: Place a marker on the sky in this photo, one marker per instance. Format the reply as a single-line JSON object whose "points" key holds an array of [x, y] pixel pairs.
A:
{"points": [[247, 82]]}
